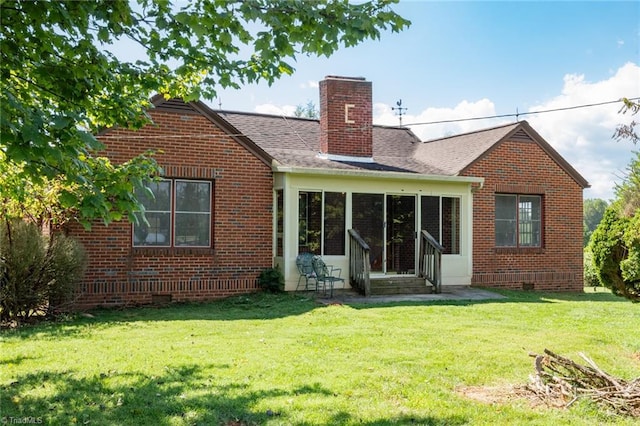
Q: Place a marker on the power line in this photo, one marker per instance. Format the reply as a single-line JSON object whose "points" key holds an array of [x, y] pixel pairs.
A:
{"points": [[518, 114], [295, 133]]}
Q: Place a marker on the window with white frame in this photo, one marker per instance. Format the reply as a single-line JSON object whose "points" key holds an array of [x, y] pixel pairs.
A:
{"points": [[518, 220], [177, 212]]}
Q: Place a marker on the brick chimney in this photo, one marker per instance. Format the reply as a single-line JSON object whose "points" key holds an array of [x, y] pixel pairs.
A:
{"points": [[346, 119]]}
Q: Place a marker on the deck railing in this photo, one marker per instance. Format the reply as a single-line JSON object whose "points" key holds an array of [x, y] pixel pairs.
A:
{"points": [[359, 265], [431, 260]]}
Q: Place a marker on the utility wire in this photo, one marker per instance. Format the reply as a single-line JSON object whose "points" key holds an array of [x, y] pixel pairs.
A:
{"points": [[294, 132], [518, 114]]}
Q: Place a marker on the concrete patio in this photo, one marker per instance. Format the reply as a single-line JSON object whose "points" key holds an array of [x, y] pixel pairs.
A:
{"points": [[448, 293]]}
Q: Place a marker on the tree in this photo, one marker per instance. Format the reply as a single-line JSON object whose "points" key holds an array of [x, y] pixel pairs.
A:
{"points": [[616, 253], [61, 83], [307, 111], [628, 131], [593, 211], [615, 244]]}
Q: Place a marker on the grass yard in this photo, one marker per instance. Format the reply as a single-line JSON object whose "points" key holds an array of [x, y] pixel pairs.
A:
{"points": [[286, 360]]}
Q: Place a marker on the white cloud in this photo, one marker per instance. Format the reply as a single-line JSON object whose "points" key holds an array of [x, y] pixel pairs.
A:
{"points": [[383, 114], [582, 136], [273, 109]]}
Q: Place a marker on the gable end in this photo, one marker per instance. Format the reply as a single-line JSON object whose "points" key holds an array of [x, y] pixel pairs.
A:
{"points": [[555, 155], [178, 106], [525, 133]]}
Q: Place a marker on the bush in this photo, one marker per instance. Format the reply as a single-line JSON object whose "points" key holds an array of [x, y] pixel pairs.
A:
{"points": [[272, 280], [614, 254], [37, 274], [67, 261], [590, 274]]}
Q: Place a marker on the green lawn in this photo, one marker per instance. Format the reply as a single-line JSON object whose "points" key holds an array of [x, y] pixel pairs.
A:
{"points": [[286, 360]]}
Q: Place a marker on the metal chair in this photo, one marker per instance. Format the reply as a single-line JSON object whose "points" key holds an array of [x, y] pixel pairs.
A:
{"points": [[326, 274], [305, 269]]}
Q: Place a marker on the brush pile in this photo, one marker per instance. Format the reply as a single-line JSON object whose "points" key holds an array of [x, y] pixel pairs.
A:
{"points": [[559, 381]]}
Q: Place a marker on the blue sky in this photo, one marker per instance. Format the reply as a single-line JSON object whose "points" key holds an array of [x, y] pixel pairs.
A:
{"points": [[475, 59], [470, 59]]}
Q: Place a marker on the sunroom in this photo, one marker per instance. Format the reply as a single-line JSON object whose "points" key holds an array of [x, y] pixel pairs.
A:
{"points": [[317, 211]]}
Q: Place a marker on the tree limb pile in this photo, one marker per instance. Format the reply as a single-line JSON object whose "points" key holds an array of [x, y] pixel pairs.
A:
{"points": [[559, 381]]}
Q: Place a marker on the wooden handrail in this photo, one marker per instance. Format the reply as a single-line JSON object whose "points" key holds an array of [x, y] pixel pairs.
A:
{"points": [[359, 264], [430, 265]]}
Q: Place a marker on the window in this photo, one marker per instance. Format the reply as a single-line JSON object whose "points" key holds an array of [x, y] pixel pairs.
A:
{"points": [[321, 222], [334, 223], [309, 221], [178, 214], [518, 220], [441, 218]]}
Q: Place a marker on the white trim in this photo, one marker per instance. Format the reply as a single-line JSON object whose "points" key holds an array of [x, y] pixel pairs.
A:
{"points": [[376, 174]]}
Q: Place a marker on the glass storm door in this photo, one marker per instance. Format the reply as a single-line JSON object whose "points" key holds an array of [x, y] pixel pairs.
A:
{"points": [[388, 226], [401, 234], [368, 220]]}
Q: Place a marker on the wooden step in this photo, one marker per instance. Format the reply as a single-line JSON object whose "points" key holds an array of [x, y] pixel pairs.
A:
{"points": [[400, 285]]}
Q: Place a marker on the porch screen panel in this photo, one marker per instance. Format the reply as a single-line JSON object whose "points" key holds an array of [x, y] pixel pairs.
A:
{"points": [[368, 220], [334, 223], [430, 215], [450, 225], [309, 221], [440, 216], [401, 230], [279, 222]]}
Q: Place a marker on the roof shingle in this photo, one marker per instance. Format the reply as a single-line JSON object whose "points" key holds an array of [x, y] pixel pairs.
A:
{"points": [[295, 142]]}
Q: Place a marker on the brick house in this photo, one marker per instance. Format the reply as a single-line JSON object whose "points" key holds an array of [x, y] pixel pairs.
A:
{"points": [[242, 192]]}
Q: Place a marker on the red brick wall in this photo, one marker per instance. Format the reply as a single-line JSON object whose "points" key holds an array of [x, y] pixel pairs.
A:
{"points": [[525, 168], [193, 147], [338, 137]]}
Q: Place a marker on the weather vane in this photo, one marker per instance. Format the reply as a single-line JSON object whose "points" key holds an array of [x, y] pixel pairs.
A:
{"points": [[401, 110]]}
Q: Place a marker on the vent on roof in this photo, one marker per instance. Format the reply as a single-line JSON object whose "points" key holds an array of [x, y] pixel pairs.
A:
{"points": [[521, 136], [176, 105]]}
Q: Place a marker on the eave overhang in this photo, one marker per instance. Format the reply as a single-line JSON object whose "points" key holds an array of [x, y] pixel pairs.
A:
{"points": [[278, 168]]}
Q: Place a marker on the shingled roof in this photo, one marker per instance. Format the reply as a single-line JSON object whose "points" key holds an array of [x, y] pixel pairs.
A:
{"points": [[457, 153], [295, 142]]}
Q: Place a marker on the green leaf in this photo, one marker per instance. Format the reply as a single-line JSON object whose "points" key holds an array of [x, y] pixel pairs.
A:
{"points": [[70, 88]]}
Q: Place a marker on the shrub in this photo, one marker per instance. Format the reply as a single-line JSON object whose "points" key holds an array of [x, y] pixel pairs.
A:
{"points": [[590, 273], [272, 280], [67, 262], [37, 274], [614, 254]]}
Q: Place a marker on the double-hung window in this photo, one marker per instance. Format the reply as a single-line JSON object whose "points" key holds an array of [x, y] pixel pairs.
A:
{"points": [[518, 220], [178, 214]]}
